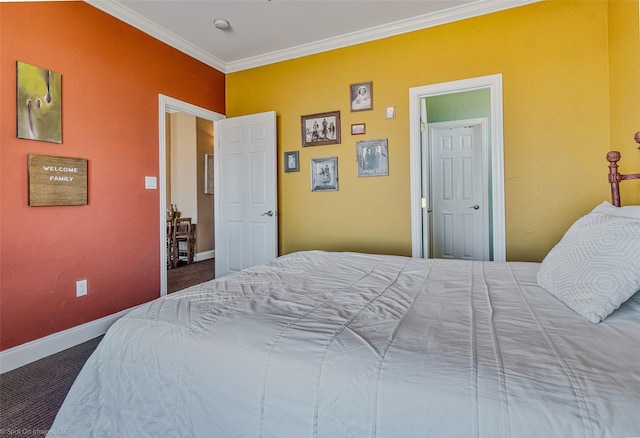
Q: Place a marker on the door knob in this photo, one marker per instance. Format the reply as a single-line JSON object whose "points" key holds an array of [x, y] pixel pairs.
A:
{"points": [[475, 207], [267, 213]]}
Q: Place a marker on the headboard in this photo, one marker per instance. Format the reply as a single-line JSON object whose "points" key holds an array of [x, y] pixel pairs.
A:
{"points": [[614, 177]]}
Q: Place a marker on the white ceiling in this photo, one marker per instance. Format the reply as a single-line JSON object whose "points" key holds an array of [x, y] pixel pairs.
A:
{"points": [[267, 31]]}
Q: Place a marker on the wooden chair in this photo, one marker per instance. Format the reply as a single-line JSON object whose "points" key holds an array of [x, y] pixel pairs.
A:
{"points": [[183, 233], [170, 243]]}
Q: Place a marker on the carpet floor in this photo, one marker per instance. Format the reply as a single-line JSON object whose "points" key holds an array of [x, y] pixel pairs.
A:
{"points": [[30, 396]]}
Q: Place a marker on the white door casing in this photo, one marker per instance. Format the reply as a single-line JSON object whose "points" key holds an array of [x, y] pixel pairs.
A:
{"points": [[496, 176], [459, 218], [166, 105], [245, 182]]}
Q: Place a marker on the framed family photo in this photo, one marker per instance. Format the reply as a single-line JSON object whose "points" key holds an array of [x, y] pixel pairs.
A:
{"points": [[291, 162], [372, 157], [324, 174], [361, 96], [320, 129]]}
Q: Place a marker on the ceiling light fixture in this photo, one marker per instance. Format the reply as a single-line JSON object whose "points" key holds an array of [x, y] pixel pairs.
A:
{"points": [[221, 23]]}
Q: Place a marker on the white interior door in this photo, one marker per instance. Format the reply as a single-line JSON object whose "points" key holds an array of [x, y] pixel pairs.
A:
{"points": [[245, 177], [459, 190], [419, 171]]}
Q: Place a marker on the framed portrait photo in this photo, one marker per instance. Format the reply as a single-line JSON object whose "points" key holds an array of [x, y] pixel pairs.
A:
{"points": [[361, 96], [320, 129], [372, 157], [324, 174], [291, 162]]}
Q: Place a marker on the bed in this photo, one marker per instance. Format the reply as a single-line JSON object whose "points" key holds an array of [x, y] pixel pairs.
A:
{"points": [[339, 344]]}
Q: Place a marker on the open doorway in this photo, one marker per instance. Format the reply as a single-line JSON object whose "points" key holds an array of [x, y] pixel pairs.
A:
{"points": [[168, 105], [422, 173]]}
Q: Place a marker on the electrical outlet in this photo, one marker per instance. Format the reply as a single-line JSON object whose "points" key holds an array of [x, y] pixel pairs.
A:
{"points": [[81, 288]]}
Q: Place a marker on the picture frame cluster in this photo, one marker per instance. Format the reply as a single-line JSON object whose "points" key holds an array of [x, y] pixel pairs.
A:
{"points": [[324, 128]]}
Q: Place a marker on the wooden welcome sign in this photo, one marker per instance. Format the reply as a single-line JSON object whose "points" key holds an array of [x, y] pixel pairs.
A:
{"points": [[57, 180]]}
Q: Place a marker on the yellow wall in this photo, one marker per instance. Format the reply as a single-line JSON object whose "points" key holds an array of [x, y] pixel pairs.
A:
{"points": [[624, 61], [554, 58]]}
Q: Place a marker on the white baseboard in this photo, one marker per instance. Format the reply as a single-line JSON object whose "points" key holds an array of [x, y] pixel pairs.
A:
{"points": [[24, 354], [205, 255]]}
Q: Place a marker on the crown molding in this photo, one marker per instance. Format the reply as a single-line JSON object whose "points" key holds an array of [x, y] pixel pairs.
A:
{"points": [[477, 8], [480, 7], [122, 13]]}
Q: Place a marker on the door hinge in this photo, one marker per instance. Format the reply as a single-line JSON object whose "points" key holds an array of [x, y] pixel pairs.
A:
{"points": [[423, 202], [423, 126]]}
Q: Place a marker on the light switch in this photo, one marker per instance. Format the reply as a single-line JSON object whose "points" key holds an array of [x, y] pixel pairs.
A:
{"points": [[150, 182], [81, 288]]}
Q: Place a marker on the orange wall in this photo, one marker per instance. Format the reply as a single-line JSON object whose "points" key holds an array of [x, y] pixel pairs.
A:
{"points": [[111, 77]]}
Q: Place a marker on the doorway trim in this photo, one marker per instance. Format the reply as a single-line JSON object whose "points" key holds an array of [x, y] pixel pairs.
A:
{"points": [[168, 104], [416, 94]]}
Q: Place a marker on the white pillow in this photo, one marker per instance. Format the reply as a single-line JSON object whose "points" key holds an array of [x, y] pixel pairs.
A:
{"points": [[596, 265]]}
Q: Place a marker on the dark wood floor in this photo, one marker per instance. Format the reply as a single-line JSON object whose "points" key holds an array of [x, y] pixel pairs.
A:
{"points": [[185, 275]]}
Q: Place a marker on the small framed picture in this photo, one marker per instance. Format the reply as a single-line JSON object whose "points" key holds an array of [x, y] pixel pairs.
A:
{"points": [[291, 162], [357, 129], [320, 129], [391, 112], [372, 157], [324, 174], [361, 96]]}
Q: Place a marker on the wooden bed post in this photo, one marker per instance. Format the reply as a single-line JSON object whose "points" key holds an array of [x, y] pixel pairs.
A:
{"points": [[615, 177]]}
